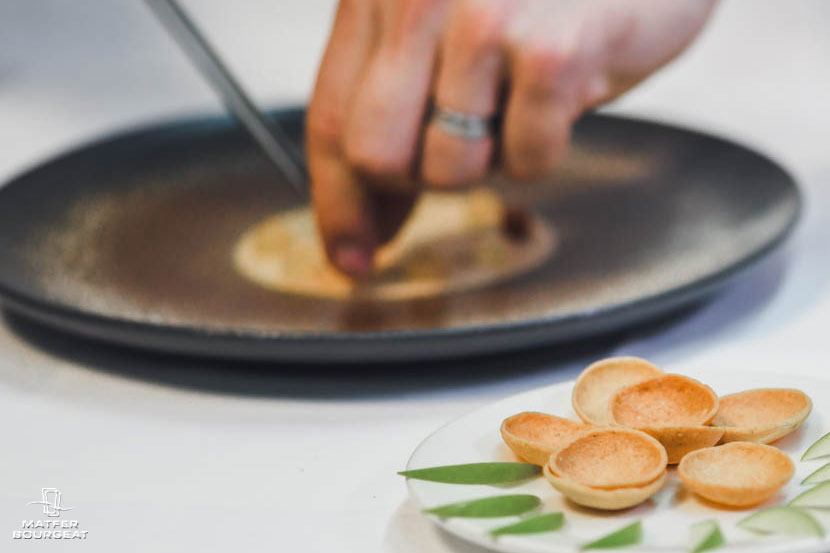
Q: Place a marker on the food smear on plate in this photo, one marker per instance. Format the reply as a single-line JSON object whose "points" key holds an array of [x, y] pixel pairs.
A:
{"points": [[453, 242]]}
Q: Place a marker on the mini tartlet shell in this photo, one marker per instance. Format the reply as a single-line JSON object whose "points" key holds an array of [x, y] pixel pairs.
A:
{"points": [[681, 440], [668, 400], [610, 458], [606, 499], [601, 380], [738, 474], [534, 436], [763, 415]]}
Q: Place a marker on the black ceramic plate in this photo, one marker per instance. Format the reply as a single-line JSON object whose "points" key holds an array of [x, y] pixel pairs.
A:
{"points": [[129, 240]]}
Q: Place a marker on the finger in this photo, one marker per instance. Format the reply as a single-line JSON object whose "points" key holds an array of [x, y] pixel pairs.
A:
{"points": [[384, 126], [468, 81], [541, 107], [343, 207]]}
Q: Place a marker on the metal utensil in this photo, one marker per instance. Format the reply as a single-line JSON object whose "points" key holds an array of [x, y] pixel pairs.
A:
{"points": [[268, 134]]}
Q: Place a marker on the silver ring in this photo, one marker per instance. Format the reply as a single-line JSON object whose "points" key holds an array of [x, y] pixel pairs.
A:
{"points": [[463, 125]]}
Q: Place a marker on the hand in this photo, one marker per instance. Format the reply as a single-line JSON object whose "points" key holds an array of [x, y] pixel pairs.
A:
{"points": [[543, 62]]}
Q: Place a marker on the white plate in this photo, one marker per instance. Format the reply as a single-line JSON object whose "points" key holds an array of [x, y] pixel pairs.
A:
{"points": [[666, 517]]}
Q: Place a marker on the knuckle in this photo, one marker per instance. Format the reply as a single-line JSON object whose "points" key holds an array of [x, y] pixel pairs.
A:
{"points": [[479, 26], [526, 172], [325, 127], [349, 7], [418, 10], [533, 159], [595, 91], [543, 167], [380, 161], [532, 164], [450, 164], [415, 14], [539, 66], [435, 177], [353, 6]]}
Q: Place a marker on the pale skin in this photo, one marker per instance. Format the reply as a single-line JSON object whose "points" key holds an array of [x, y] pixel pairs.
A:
{"points": [[540, 63]]}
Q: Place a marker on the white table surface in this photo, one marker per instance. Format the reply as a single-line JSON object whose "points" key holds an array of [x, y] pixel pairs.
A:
{"points": [[164, 454]]}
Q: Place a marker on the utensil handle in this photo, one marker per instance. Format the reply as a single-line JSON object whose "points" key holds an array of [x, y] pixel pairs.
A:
{"points": [[268, 134]]}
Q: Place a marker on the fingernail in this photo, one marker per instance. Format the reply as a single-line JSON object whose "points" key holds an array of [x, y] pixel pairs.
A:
{"points": [[353, 259]]}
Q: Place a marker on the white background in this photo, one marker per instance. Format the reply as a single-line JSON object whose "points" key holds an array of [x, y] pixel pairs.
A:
{"points": [[165, 454]]}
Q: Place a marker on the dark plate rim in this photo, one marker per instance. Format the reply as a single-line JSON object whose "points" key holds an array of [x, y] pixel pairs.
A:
{"points": [[169, 128]]}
